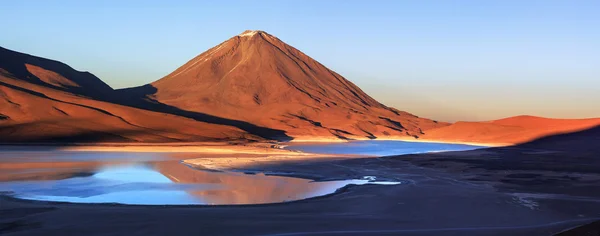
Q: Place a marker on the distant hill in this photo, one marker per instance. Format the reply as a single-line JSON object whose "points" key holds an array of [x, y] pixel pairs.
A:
{"points": [[51, 74], [512, 130]]}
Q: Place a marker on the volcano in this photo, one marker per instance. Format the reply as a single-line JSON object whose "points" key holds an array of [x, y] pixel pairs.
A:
{"points": [[255, 77]]}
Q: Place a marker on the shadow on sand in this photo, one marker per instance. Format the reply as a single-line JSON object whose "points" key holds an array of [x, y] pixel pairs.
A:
{"points": [[81, 136], [138, 97]]}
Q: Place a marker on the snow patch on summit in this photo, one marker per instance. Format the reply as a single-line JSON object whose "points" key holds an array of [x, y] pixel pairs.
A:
{"points": [[248, 33]]}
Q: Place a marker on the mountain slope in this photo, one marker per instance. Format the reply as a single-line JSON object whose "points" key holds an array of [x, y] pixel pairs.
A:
{"points": [[56, 108], [512, 130], [256, 78]]}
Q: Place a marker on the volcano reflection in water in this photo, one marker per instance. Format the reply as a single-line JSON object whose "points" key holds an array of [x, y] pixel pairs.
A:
{"points": [[173, 183]]}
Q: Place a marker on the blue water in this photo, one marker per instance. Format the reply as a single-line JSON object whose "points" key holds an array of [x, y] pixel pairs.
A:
{"points": [[379, 148], [141, 184], [129, 184]]}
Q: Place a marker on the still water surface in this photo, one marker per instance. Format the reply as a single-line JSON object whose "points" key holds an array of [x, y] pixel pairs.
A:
{"points": [[379, 148], [154, 179]]}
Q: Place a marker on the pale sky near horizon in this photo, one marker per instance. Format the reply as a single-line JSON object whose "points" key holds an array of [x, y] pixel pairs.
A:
{"points": [[446, 60]]}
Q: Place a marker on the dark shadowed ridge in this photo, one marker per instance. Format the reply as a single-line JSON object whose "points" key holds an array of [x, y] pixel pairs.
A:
{"points": [[57, 75], [581, 141]]}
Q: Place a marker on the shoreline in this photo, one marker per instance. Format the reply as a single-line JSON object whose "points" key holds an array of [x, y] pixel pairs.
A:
{"points": [[249, 162], [209, 147], [404, 139], [424, 140], [201, 146]]}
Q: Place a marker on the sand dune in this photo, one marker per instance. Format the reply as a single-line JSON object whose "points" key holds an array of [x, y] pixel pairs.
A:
{"points": [[512, 130]]}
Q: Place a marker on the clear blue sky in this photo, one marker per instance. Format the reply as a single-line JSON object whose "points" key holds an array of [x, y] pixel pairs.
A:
{"points": [[448, 60]]}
